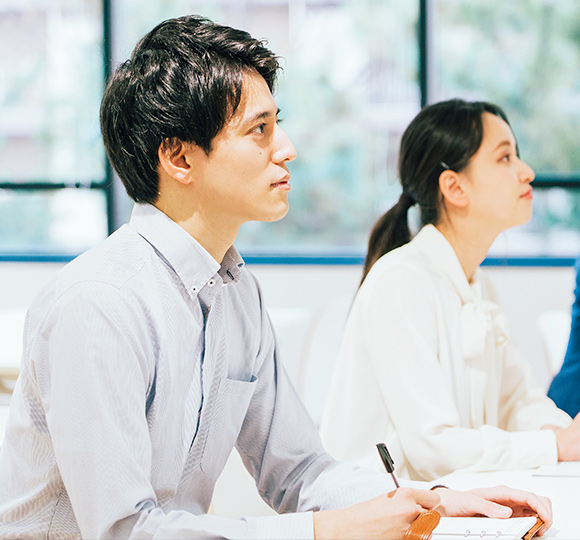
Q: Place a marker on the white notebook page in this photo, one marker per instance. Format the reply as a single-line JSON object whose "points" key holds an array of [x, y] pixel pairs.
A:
{"points": [[480, 527]]}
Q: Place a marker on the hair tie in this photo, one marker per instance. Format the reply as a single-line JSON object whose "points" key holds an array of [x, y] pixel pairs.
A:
{"points": [[406, 200]]}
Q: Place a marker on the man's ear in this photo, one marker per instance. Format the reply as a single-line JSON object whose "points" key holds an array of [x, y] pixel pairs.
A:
{"points": [[175, 159], [452, 189]]}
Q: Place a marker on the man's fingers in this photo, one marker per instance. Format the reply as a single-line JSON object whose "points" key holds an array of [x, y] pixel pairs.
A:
{"points": [[495, 510], [427, 500], [518, 500]]}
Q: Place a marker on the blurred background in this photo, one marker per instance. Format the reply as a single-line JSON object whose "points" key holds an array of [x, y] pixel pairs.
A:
{"points": [[355, 74]]}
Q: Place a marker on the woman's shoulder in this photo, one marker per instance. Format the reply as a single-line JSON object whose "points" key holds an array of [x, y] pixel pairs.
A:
{"points": [[401, 277], [408, 262]]}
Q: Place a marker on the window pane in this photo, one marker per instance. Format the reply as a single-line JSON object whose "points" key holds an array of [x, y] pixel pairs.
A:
{"points": [[63, 221], [553, 230], [525, 56], [51, 82], [348, 90]]}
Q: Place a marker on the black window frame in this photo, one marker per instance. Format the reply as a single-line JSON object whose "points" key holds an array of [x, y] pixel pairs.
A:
{"points": [[114, 194]]}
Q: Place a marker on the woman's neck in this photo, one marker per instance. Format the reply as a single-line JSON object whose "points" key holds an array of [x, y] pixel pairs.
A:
{"points": [[470, 244]]}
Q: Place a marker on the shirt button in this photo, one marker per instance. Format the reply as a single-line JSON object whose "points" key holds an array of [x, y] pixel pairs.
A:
{"points": [[194, 289], [211, 282]]}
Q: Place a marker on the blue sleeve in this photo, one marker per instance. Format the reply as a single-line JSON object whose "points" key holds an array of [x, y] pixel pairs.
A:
{"points": [[564, 387]]}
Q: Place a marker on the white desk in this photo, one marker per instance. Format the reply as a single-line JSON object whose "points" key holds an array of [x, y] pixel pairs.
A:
{"points": [[564, 492]]}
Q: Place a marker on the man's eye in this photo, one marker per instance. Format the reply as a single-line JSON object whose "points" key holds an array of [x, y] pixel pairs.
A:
{"points": [[260, 128]]}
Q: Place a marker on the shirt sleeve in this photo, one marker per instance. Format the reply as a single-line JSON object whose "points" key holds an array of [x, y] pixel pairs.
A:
{"points": [[280, 446], [93, 382], [403, 322], [564, 387]]}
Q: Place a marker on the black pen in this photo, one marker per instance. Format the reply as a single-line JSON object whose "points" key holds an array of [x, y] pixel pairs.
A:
{"points": [[387, 461]]}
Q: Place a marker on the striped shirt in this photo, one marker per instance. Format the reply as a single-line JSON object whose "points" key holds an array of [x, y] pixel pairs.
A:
{"points": [[145, 363]]}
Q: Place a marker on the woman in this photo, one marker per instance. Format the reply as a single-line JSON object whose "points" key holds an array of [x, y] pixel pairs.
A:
{"points": [[426, 364]]}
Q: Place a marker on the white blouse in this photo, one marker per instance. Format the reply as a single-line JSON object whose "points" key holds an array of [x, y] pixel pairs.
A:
{"points": [[427, 366]]}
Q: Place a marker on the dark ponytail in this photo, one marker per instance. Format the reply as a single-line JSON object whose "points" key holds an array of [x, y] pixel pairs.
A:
{"points": [[390, 231], [442, 136]]}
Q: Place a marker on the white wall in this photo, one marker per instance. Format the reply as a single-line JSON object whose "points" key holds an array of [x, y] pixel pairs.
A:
{"points": [[294, 294], [525, 294], [20, 282], [297, 294]]}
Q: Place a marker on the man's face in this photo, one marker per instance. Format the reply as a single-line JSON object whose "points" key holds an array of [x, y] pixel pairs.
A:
{"points": [[245, 177]]}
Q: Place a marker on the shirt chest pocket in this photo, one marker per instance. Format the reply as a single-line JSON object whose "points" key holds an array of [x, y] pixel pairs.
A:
{"points": [[229, 410]]}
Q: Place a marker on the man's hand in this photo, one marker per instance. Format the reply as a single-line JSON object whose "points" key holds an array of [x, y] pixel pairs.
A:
{"points": [[389, 516], [386, 516], [495, 502]]}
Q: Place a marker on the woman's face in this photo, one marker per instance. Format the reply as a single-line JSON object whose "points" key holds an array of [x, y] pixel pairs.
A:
{"points": [[496, 181]]}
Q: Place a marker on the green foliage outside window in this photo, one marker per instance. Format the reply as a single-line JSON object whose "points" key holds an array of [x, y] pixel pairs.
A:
{"points": [[348, 90]]}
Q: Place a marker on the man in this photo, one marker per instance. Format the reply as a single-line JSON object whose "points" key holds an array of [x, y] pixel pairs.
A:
{"points": [[151, 356]]}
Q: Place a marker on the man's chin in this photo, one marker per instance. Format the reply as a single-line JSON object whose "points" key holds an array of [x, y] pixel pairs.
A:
{"points": [[277, 216]]}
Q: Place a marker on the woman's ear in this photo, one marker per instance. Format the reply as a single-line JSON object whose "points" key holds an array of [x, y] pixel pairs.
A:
{"points": [[452, 189], [175, 159]]}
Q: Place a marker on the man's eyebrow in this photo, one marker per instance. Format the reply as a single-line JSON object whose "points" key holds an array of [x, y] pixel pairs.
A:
{"points": [[259, 116]]}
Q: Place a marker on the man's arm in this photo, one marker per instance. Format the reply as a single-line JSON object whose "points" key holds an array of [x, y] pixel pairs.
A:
{"points": [[386, 516], [281, 448], [389, 516], [94, 379]]}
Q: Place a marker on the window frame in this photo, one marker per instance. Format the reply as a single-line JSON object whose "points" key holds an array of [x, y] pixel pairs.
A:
{"points": [[116, 198], [107, 184]]}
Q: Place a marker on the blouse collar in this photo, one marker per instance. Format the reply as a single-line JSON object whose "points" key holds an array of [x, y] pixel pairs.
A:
{"points": [[444, 259], [481, 319]]}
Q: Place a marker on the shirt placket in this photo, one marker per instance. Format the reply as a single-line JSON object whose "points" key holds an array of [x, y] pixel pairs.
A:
{"points": [[211, 367]]}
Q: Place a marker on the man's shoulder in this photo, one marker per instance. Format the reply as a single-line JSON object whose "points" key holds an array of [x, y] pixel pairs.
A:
{"points": [[107, 274], [111, 264]]}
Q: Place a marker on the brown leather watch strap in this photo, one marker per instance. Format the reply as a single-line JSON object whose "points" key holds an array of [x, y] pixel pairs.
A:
{"points": [[423, 526]]}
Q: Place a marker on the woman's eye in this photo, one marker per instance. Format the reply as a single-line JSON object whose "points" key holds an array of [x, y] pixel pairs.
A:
{"points": [[506, 158]]}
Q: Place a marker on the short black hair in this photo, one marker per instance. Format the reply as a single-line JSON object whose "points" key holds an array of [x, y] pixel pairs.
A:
{"points": [[183, 82]]}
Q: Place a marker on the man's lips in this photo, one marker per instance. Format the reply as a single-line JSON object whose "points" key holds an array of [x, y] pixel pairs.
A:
{"points": [[284, 182]]}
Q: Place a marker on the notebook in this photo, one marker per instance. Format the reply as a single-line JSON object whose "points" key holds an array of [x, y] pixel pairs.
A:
{"points": [[452, 528]]}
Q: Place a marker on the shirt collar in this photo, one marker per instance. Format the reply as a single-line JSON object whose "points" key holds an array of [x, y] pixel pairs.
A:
{"points": [[190, 261], [444, 259]]}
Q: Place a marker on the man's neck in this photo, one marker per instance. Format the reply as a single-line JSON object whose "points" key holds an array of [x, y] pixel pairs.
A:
{"points": [[215, 237]]}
